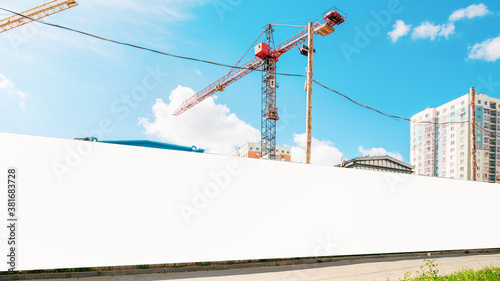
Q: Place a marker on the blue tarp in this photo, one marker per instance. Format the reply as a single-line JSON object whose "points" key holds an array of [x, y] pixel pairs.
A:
{"points": [[154, 144]]}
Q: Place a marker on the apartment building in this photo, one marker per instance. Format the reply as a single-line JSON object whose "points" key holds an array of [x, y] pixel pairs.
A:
{"points": [[441, 140], [252, 150]]}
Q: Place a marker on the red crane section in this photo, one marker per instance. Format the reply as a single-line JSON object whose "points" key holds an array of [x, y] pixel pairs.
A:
{"points": [[323, 27], [218, 86]]}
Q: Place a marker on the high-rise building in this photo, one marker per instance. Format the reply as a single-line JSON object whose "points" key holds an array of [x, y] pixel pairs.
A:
{"points": [[441, 140], [252, 150]]}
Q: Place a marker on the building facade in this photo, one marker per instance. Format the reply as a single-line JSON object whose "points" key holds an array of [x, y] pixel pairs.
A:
{"points": [[252, 150], [378, 163], [441, 140]]}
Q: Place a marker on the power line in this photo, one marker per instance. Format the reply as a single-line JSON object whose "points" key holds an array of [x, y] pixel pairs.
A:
{"points": [[140, 47], [378, 111], [364, 105], [392, 116]]}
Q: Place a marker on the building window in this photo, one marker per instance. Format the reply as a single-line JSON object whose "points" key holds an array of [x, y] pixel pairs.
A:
{"points": [[452, 150], [462, 161], [452, 107], [257, 154], [251, 148], [461, 176], [485, 103], [462, 168], [452, 114], [479, 102], [257, 148]]}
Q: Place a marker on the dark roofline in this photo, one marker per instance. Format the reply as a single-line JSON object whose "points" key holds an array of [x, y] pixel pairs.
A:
{"points": [[385, 157]]}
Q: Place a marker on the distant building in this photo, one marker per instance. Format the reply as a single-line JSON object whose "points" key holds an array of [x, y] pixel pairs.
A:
{"points": [[441, 140], [252, 150], [378, 163]]}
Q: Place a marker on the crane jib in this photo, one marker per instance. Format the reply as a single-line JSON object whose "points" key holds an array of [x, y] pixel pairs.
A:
{"points": [[324, 26]]}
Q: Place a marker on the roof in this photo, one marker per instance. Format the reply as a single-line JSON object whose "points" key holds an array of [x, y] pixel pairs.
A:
{"points": [[155, 144], [385, 157]]}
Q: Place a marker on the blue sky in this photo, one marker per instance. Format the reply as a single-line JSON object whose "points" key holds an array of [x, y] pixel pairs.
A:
{"points": [[398, 56]]}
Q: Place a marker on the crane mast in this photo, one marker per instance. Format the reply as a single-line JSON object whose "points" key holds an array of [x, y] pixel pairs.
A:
{"points": [[269, 111], [266, 55], [36, 13]]}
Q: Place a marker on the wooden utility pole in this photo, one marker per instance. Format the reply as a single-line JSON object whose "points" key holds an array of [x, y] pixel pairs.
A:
{"points": [[309, 86], [473, 135]]}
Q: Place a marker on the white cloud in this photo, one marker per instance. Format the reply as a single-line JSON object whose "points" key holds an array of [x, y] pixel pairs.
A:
{"points": [[470, 12], [488, 50], [207, 125], [169, 11], [447, 29], [379, 151], [198, 72], [322, 152], [7, 87], [400, 29], [430, 30]]}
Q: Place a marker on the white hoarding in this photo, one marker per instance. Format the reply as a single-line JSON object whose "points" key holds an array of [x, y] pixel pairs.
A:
{"points": [[81, 204]]}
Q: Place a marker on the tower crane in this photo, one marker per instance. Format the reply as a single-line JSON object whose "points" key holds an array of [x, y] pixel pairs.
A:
{"points": [[36, 13], [266, 56]]}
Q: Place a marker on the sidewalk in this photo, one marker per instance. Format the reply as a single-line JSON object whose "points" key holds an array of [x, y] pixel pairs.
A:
{"points": [[392, 268]]}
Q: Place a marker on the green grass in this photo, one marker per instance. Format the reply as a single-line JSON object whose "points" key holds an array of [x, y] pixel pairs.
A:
{"points": [[485, 274]]}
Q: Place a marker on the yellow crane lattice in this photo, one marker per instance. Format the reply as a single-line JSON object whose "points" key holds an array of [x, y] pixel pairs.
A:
{"points": [[36, 13]]}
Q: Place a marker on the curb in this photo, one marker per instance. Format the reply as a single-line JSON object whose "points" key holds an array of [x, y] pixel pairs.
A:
{"points": [[177, 268]]}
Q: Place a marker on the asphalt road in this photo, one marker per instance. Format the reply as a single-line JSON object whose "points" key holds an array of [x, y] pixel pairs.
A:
{"points": [[383, 269]]}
